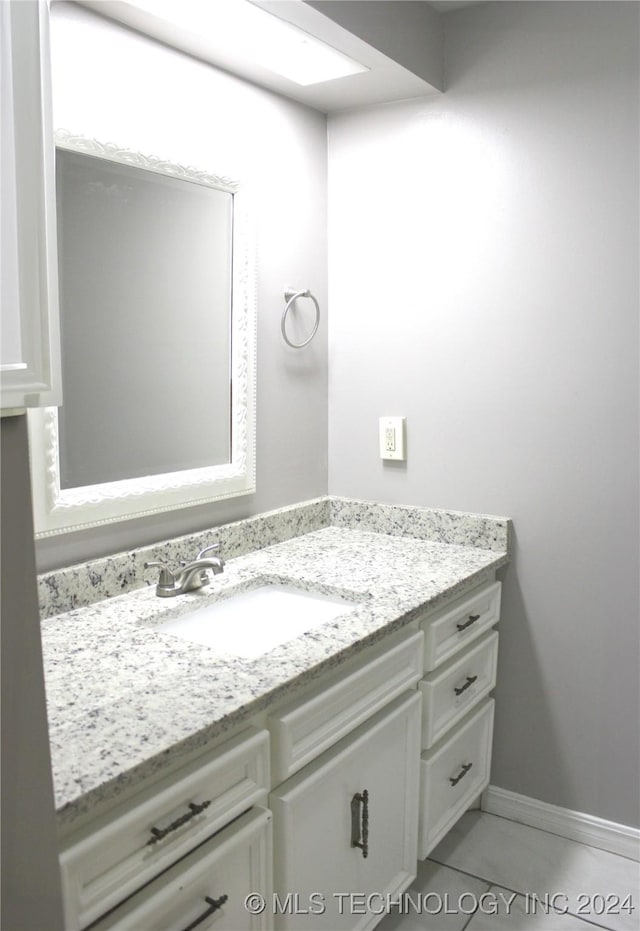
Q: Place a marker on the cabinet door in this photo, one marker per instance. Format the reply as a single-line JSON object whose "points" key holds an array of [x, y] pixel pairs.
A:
{"points": [[30, 344], [321, 879]]}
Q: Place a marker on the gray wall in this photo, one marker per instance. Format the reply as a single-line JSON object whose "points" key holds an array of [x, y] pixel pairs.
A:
{"points": [[483, 271], [30, 895], [161, 102]]}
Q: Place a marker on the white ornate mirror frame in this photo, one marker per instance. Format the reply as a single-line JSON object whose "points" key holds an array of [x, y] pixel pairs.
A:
{"points": [[58, 510]]}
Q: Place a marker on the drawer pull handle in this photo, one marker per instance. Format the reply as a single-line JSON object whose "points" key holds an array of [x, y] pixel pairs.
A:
{"points": [[472, 619], [454, 780], [214, 905], [356, 835], [463, 688], [159, 833]]}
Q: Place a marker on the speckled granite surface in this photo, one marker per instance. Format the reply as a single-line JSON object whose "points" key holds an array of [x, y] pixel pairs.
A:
{"points": [[125, 700], [86, 583], [483, 531], [93, 581]]}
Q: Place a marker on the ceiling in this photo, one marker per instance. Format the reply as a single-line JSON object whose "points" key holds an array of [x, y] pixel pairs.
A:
{"points": [[342, 26]]}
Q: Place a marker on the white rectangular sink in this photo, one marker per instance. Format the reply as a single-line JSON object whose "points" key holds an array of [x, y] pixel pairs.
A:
{"points": [[253, 622]]}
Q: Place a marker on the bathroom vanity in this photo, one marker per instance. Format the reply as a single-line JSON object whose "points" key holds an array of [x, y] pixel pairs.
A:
{"points": [[202, 788]]}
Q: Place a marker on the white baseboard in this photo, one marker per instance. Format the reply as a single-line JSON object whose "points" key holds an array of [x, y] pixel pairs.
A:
{"points": [[586, 829]]}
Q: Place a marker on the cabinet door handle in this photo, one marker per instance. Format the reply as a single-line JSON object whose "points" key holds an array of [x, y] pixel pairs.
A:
{"points": [[358, 838], [463, 688], [214, 905], [472, 619], [159, 833], [454, 780]]}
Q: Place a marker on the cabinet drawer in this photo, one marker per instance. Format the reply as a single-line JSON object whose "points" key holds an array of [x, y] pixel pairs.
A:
{"points": [[452, 691], [452, 774], [451, 628], [232, 864], [303, 729], [120, 852]]}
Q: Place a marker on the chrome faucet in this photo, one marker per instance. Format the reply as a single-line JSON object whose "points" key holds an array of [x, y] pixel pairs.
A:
{"points": [[191, 577]]}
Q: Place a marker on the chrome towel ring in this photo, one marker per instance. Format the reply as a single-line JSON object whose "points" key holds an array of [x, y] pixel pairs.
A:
{"points": [[290, 297]]}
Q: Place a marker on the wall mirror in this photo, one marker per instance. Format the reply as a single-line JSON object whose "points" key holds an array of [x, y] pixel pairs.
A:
{"points": [[157, 319]]}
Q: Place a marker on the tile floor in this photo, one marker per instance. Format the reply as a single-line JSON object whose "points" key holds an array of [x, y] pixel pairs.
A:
{"points": [[491, 874]]}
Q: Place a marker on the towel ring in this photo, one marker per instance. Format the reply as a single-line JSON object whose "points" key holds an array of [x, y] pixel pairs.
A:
{"points": [[290, 297]]}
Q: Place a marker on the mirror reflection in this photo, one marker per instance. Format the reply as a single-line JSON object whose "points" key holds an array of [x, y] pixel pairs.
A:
{"points": [[145, 285], [157, 306]]}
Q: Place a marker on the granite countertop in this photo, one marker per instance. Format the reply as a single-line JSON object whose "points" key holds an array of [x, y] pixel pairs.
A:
{"points": [[125, 699]]}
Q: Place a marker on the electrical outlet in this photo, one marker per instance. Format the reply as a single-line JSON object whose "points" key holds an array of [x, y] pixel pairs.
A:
{"points": [[389, 439], [393, 438]]}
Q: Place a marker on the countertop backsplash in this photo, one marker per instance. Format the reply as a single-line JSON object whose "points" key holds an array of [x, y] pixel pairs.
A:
{"points": [[84, 584]]}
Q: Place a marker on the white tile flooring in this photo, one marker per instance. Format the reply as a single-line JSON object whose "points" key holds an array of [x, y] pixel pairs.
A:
{"points": [[491, 874]]}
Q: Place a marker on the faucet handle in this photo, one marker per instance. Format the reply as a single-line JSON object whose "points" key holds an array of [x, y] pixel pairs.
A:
{"points": [[166, 578], [208, 549]]}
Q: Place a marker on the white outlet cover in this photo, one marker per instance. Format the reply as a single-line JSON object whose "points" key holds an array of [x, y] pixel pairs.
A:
{"points": [[392, 437]]}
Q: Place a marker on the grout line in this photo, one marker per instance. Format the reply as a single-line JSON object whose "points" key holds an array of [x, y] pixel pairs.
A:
{"points": [[588, 922], [471, 876], [470, 918], [492, 884], [521, 895], [592, 924], [483, 879], [564, 837], [569, 840]]}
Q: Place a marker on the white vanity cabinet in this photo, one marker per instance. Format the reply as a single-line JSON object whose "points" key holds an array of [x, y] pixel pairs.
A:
{"points": [[460, 658], [186, 851], [345, 826], [114, 856], [346, 822], [321, 805]]}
